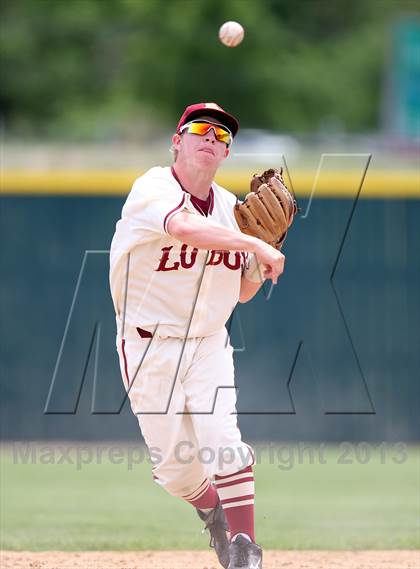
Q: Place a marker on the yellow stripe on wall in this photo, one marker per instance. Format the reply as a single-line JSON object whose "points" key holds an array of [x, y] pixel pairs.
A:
{"points": [[344, 184], [67, 182]]}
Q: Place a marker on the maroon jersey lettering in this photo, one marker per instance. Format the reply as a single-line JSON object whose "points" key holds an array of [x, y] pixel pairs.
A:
{"points": [[184, 263], [237, 263], [216, 257], [244, 257], [163, 266]]}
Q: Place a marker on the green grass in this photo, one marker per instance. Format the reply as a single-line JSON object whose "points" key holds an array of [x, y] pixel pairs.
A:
{"points": [[309, 506]]}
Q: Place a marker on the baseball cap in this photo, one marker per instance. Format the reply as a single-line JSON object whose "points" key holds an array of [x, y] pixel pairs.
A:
{"points": [[211, 110]]}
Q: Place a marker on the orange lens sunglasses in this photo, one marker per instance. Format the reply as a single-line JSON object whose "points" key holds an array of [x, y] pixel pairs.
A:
{"points": [[201, 128]]}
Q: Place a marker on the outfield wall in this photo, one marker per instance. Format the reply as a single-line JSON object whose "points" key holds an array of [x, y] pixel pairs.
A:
{"points": [[332, 355]]}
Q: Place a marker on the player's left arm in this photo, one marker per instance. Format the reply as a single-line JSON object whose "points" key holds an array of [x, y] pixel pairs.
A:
{"points": [[248, 289], [252, 279]]}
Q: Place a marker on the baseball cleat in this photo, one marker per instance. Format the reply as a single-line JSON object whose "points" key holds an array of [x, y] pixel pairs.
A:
{"points": [[216, 524], [244, 554]]}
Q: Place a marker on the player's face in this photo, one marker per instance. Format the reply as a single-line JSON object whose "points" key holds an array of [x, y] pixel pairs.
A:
{"points": [[203, 151]]}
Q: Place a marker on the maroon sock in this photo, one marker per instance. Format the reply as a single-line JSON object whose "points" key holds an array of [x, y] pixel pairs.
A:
{"points": [[236, 493], [204, 497]]}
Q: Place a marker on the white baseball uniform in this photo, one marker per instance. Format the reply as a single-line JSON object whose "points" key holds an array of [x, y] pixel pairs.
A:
{"points": [[172, 302]]}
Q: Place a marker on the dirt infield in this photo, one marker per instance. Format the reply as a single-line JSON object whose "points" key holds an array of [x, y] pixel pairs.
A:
{"points": [[206, 560]]}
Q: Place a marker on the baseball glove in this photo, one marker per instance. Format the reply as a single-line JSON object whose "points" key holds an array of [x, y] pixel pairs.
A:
{"points": [[268, 210]]}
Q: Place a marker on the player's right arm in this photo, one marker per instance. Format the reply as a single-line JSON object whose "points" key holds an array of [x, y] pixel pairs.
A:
{"points": [[203, 233]]}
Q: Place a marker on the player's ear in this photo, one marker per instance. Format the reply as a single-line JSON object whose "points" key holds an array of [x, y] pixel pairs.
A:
{"points": [[227, 151], [176, 141]]}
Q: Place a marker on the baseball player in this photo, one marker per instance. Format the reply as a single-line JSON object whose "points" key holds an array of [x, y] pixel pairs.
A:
{"points": [[178, 266]]}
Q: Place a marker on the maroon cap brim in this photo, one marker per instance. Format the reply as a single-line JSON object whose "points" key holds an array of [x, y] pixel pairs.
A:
{"points": [[211, 110]]}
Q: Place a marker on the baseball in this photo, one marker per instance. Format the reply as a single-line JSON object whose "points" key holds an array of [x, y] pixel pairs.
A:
{"points": [[231, 34]]}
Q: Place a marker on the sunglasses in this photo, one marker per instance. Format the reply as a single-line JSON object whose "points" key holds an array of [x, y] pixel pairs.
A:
{"points": [[221, 133]]}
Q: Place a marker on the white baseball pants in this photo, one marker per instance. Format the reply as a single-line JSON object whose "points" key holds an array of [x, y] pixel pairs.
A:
{"points": [[183, 394]]}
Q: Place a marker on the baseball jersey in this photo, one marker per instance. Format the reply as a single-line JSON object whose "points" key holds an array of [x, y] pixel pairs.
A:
{"points": [[159, 283]]}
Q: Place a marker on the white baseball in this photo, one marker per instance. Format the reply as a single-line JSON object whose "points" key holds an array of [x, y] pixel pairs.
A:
{"points": [[231, 34]]}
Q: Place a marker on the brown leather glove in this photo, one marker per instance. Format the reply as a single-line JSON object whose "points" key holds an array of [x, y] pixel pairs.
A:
{"points": [[268, 210]]}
